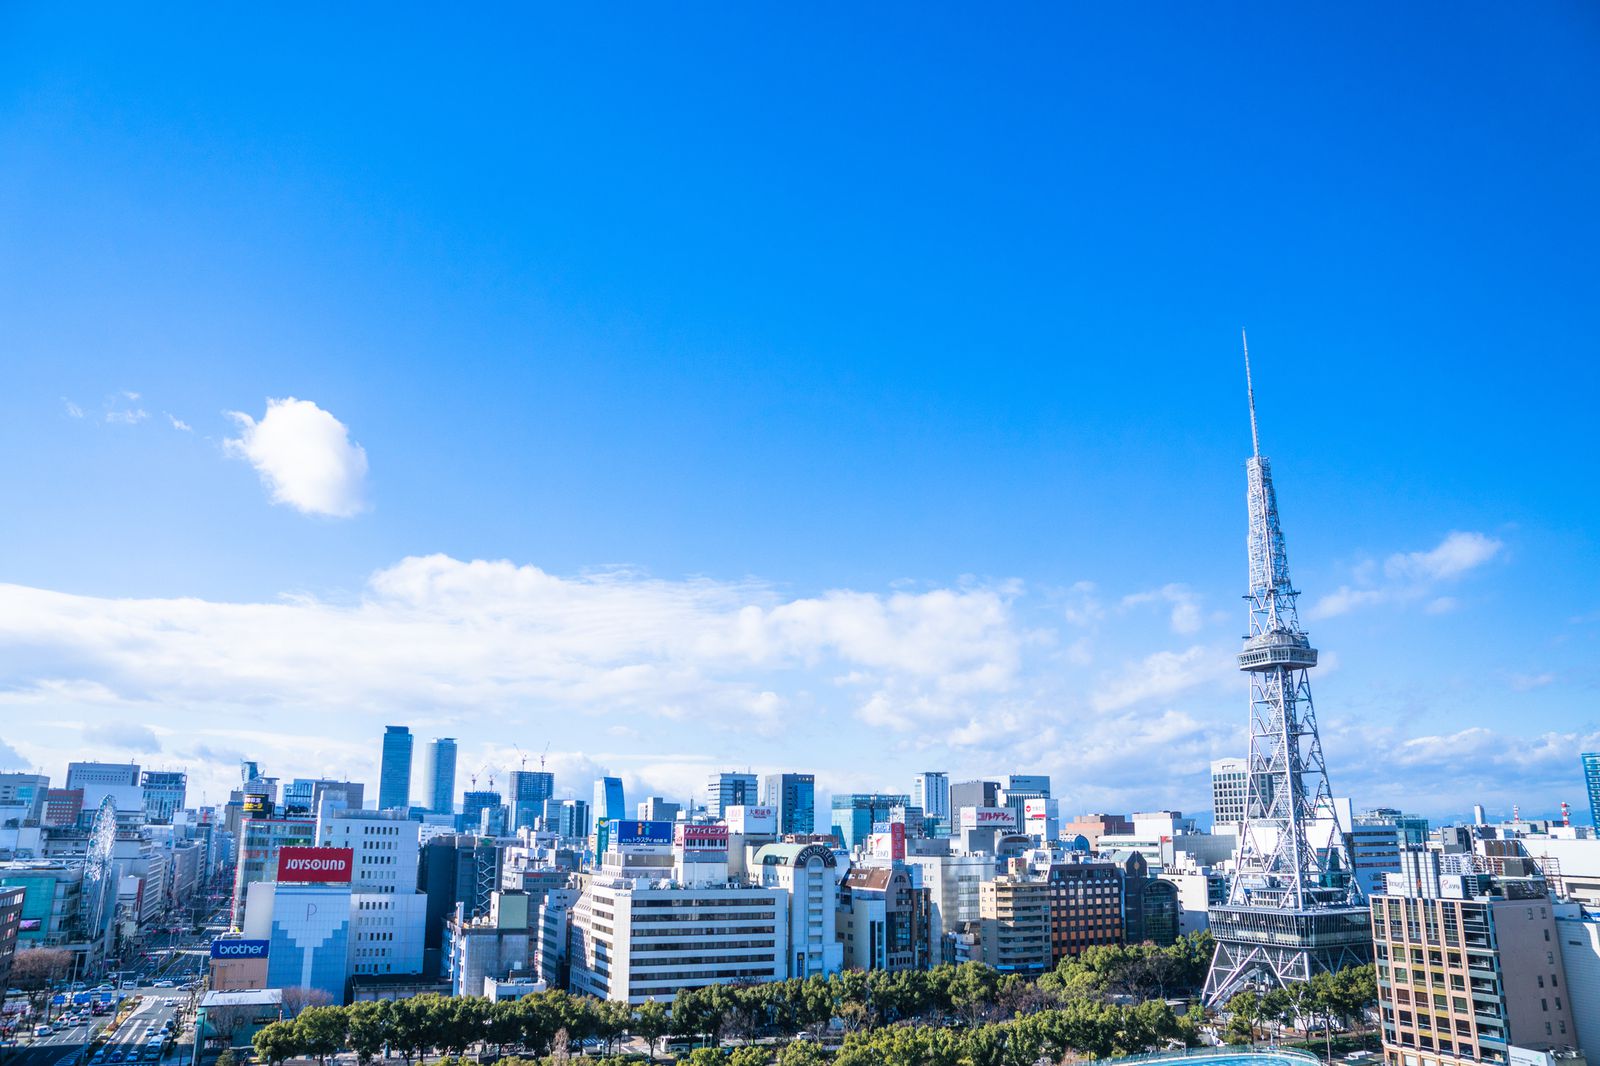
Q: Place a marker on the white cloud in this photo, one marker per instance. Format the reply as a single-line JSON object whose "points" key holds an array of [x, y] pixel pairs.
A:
{"points": [[73, 410], [305, 457], [1411, 576], [126, 735], [179, 424], [1529, 682], [1185, 617], [1455, 555], [126, 416], [1161, 676]]}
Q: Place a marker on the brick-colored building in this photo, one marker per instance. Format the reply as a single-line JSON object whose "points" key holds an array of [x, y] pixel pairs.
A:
{"points": [[1085, 906]]}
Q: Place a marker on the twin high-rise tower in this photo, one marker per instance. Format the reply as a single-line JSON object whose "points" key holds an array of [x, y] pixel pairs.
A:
{"points": [[1294, 907]]}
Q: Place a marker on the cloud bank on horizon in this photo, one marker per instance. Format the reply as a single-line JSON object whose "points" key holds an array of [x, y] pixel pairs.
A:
{"points": [[662, 681]]}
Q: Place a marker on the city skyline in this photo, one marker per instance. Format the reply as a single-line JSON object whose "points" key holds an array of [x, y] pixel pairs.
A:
{"points": [[753, 453]]}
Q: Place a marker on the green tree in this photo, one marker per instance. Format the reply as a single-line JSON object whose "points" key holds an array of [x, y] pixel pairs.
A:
{"points": [[321, 1031], [651, 1022], [225, 1059], [748, 1056], [1246, 1007], [802, 1053], [276, 1042], [367, 1028]]}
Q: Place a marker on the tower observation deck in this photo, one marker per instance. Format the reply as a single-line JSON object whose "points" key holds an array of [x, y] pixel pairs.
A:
{"points": [[1294, 906]]}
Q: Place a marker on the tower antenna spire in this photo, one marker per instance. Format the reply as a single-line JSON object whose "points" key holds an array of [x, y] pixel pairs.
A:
{"points": [[1255, 436]]}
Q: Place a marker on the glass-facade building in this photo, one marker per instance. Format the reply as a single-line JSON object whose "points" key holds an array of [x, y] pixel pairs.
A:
{"points": [[529, 790], [394, 775], [854, 814], [439, 776], [608, 800], [794, 797], [1591, 780]]}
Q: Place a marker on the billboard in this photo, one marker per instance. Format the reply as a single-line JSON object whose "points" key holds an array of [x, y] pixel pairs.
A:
{"points": [[703, 837], [890, 843], [753, 820], [230, 948], [644, 834], [988, 818], [1036, 809], [255, 804], [315, 864]]}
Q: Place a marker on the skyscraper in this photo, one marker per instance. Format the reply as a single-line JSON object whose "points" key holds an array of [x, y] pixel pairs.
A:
{"points": [[608, 800], [855, 813], [394, 774], [1591, 780], [439, 775], [1293, 908], [930, 790], [794, 797]]}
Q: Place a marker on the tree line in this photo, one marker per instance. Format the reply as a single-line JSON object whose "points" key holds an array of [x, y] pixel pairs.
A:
{"points": [[1071, 1007]]}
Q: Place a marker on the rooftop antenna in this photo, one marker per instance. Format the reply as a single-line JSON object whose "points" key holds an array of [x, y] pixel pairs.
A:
{"points": [[1255, 437]]}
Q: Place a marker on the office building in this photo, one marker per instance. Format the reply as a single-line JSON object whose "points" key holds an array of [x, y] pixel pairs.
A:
{"points": [[884, 920], [728, 789], [499, 945], [62, 807], [528, 791], [794, 797], [1465, 979], [952, 882], [637, 939], [164, 794], [439, 776], [1086, 906], [11, 897], [384, 845], [855, 813], [473, 803], [260, 838], [1015, 923], [973, 794], [308, 929], [101, 780], [1578, 931], [608, 800], [656, 809], [1412, 829], [394, 774], [930, 790], [809, 875], [1229, 778], [1591, 781], [1374, 854], [25, 791]]}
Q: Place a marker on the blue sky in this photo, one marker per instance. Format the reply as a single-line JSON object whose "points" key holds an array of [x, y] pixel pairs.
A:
{"points": [[827, 389]]}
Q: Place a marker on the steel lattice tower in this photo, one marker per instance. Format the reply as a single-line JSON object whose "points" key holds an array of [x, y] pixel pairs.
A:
{"points": [[1294, 906]]}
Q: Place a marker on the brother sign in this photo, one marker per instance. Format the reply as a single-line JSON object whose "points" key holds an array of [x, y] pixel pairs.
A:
{"points": [[238, 949]]}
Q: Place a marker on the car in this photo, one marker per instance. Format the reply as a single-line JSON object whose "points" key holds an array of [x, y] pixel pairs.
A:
{"points": [[118, 1055], [42, 1030], [162, 984]]}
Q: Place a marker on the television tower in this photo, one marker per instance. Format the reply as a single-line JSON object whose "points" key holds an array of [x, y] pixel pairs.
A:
{"points": [[1294, 906]]}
